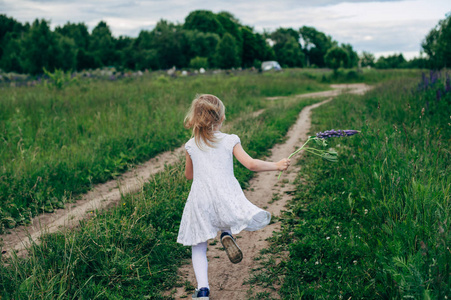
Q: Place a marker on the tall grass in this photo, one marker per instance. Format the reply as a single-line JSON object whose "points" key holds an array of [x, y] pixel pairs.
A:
{"points": [[130, 252], [377, 224], [56, 144]]}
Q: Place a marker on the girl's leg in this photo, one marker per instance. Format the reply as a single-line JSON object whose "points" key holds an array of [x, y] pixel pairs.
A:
{"points": [[228, 242], [200, 264], [226, 230]]}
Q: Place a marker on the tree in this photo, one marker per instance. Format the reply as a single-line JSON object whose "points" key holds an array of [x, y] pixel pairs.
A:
{"points": [[201, 44], [419, 63], [227, 52], [102, 45], [85, 60], [39, 48], [289, 54], [170, 45], [255, 47], [205, 21], [67, 54], [11, 60], [78, 32], [315, 45], [367, 59], [287, 49], [353, 57], [336, 57], [391, 62], [232, 26], [283, 35], [143, 55], [437, 44], [9, 29], [198, 62]]}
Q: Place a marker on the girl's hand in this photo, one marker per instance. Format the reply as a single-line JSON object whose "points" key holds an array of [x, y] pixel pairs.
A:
{"points": [[283, 164]]}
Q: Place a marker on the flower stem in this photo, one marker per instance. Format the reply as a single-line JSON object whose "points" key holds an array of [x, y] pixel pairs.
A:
{"points": [[295, 152]]}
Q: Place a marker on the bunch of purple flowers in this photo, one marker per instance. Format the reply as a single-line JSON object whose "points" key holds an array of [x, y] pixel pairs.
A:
{"points": [[333, 133], [320, 139]]}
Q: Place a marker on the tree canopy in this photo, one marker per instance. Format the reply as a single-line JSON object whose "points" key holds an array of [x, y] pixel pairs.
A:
{"points": [[437, 44], [207, 39]]}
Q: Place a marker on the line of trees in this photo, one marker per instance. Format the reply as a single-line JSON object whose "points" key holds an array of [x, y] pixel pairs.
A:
{"points": [[205, 40]]}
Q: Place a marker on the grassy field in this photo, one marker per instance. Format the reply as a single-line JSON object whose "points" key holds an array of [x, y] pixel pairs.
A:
{"points": [[56, 144], [377, 224], [130, 252]]}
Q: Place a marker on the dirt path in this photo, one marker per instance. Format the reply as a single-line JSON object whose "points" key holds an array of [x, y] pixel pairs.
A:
{"points": [[108, 194], [226, 279]]}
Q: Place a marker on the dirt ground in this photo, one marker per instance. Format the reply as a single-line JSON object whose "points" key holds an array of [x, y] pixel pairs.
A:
{"points": [[226, 279]]}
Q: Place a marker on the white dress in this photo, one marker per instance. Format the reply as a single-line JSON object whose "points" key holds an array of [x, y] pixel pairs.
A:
{"points": [[216, 200]]}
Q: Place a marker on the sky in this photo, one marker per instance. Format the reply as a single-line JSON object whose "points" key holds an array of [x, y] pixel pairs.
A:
{"points": [[379, 27]]}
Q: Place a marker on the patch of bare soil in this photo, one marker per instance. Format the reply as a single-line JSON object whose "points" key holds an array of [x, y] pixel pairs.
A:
{"points": [[227, 280]]}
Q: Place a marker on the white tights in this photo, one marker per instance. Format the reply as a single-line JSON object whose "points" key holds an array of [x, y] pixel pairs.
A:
{"points": [[200, 264]]}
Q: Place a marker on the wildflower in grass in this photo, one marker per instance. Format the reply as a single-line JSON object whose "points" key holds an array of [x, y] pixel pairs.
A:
{"points": [[434, 77], [320, 139], [333, 133], [447, 84]]}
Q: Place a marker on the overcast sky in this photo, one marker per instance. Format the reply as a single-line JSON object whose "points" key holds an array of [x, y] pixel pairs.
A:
{"points": [[379, 27]]}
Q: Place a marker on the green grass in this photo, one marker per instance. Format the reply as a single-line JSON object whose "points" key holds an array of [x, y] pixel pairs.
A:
{"points": [[56, 144], [130, 252], [369, 76], [377, 224]]}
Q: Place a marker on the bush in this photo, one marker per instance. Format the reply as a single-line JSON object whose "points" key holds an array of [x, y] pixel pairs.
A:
{"points": [[198, 62]]}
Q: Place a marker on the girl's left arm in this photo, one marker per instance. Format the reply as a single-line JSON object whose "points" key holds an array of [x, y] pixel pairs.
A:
{"points": [[188, 167], [258, 165]]}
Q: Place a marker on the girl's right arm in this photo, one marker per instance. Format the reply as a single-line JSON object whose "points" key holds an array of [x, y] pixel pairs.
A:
{"points": [[188, 166], [258, 165]]}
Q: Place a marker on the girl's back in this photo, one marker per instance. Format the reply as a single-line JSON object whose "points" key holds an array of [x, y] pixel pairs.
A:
{"points": [[213, 163]]}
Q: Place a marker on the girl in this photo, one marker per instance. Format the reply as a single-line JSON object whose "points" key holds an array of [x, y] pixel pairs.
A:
{"points": [[216, 201]]}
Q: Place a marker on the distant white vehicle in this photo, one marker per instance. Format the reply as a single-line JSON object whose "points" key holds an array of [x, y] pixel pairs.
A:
{"points": [[271, 65]]}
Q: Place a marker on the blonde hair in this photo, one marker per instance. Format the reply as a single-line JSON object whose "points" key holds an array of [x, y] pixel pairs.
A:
{"points": [[206, 112]]}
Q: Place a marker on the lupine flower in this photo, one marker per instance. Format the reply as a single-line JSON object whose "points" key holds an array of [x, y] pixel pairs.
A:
{"points": [[434, 77], [448, 84], [332, 133], [329, 155], [438, 95]]}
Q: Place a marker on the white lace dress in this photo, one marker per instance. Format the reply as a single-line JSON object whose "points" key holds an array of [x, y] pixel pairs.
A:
{"points": [[216, 200]]}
